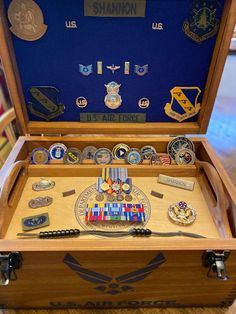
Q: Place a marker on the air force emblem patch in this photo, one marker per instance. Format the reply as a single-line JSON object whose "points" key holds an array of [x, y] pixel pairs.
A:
{"points": [[85, 69], [141, 70], [202, 22], [184, 103]]}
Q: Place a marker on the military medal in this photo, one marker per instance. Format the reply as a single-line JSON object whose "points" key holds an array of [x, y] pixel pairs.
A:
{"points": [[185, 157], [57, 151], [147, 151], [105, 186], [110, 198], [120, 197], [72, 156], [113, 99], [26, 19], [143, 103], [115, 186], [128, 198], [178, 143], [182, 214], [119, 151], [103, 156], [40, 202], [40, 156], [89, 152], [126, 187], [43, 185], [133, 157], [34, 222], [99, 197]]}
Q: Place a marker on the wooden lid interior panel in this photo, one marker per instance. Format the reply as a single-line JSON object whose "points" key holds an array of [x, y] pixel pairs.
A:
{"points": [[145, 58]]}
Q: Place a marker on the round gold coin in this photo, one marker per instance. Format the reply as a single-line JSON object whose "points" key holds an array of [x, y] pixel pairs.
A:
{"points": [[120, 197], [99, 197], [182, 214], [110, 198], [128, 198]]}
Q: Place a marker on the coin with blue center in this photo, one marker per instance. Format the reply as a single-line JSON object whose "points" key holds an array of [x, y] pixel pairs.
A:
{"points": [[147, 151], [133, 157], [40, 156], [119, 151], [57, 151]]}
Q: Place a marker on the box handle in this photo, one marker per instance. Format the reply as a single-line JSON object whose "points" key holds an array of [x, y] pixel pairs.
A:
{"points": [[219, 212], [8, 183]]}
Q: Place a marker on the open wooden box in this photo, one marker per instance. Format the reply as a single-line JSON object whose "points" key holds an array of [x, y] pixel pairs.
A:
{"points": [[90, 271]]}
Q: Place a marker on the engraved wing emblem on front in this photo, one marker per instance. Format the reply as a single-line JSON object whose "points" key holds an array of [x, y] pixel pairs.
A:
{"points": [[113, 285]]}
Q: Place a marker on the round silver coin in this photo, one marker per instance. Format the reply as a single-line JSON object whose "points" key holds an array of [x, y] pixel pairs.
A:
{"points": [[185, 157], [147, 151], [72, 156], [57, 151], [178, 143], [103, 156], [89, 152]]}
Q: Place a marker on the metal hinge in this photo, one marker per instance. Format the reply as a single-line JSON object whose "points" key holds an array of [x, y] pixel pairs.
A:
{"points": [[216, 263], [8, 264]]}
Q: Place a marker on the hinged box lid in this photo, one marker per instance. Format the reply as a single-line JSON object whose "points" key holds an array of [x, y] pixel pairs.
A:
{"points": [[126, 67]]}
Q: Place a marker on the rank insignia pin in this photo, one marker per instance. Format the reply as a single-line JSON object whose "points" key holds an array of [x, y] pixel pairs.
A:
{"points": [[184, 99], [44, 102], [141, 70], [202, 22], [86, 70]]}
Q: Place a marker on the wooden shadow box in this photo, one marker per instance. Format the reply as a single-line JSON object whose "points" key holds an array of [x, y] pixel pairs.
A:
{"points": [[99, 272]]}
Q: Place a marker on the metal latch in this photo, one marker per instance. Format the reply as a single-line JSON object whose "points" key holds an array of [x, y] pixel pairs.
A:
{"points": [[8, 264], [216, 263]]}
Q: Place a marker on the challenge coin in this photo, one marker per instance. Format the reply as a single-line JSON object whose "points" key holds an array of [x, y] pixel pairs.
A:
{"points": [[72, 156], [178, 143], [185, 157], [119, 151], [133, 157], [40, 156], [147, 151], [57, 151], [164, 159], [182, 214], [89, 152], [103, 156]]}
